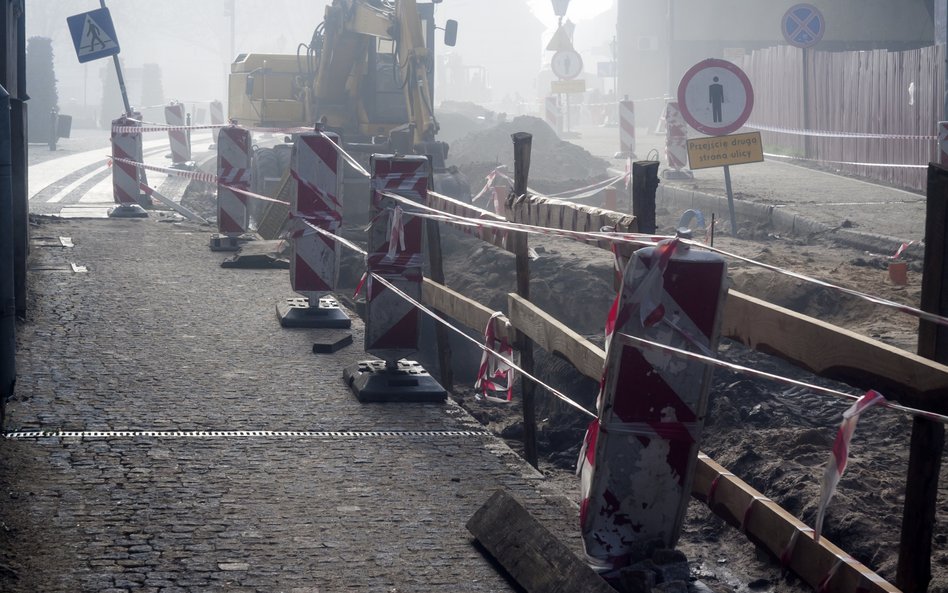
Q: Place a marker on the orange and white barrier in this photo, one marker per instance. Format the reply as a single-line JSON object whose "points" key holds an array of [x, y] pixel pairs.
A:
{"points": [[217, 118], [553, 113], [180, 140], [639, 455], [233, 170], [316, 167], [126, 176], [676, 143], [626, 129]]}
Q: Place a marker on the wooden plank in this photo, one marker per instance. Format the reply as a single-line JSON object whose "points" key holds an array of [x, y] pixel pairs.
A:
{"points": [[533, 556], [770, 526], [467, 312], [837, 353], [560, 214], [555, 337]]}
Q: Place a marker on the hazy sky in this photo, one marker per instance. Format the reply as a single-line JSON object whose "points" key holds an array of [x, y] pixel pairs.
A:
{"points": [[191, 40]]}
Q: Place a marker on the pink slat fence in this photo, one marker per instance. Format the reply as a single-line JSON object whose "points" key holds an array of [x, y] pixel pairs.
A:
{"points": [[861, 91]]}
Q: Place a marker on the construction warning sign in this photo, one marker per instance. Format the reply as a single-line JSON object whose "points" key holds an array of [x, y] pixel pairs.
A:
{"points": [[717, 151], [93, 35]]}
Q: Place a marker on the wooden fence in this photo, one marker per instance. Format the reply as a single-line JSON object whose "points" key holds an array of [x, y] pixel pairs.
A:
{"points": [[821, 348], [869, 92]]}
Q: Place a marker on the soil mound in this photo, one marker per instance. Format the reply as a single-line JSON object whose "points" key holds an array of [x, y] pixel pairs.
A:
{"points": [[553, 163]]}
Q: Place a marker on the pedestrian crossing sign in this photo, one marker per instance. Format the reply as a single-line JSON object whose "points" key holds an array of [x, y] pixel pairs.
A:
{"points": [[93, 35]]}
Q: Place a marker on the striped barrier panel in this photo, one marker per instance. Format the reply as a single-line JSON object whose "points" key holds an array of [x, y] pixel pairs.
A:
{"points": [[126, 175], [392, 325], [233, 169], [180, 142], [627, 128]]}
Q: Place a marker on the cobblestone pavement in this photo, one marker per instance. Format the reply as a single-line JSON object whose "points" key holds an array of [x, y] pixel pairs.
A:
{"points": [[156, 336]]}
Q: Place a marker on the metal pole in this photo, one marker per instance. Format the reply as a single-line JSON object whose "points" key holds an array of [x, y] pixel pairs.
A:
{"points": [[121, 79], [730, 199], [7, 284]]}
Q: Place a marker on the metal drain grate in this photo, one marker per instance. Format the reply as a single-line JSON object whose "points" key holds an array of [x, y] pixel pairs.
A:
{"points": [[203, 434]]}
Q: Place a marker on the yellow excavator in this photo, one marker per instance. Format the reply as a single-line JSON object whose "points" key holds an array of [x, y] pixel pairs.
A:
{"points": [[367, 74]]}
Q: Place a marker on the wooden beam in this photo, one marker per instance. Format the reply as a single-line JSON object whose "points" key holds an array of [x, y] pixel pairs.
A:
{"points": [[560, 214], [836, 353], [555, 337], [533, 556], [467, 312], [822, 565]]}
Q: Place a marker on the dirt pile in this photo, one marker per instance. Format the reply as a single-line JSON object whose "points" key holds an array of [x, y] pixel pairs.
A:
{"points": [[555, 164]]}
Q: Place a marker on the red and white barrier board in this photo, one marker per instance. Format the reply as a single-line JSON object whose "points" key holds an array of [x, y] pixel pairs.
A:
{"points": [[392, 325], [553, 114], [627, 128], [676, 138], [317, 167], [126, 177], [638, 460], [233, 169], [217, 117], [180, 143]]}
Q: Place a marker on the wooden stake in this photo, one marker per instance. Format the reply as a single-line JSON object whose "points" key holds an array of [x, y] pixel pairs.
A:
{"points": [[436, 264], [644, 185], [928, 438], [523, 143]]}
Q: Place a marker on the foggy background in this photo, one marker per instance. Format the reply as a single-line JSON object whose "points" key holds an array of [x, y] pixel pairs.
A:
{"points": [[499, 59]]}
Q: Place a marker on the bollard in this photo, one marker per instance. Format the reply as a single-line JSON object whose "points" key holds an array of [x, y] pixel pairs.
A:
{"points": [[943, 143], [7, 275], [316, 166], [626, 130], [217, 118], [233, 171], [554, 114], [126, 177], [638, 458], [392, 324], [180, 145], [676, 143]]}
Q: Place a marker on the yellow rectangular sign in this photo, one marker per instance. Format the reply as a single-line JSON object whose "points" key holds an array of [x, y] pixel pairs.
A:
{"points": [[717, 151], [568, 86]]}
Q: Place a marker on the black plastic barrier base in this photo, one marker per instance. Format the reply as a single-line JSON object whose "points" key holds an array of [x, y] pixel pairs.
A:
{"points": [[128, 211], [296, 312], [371, 381]]}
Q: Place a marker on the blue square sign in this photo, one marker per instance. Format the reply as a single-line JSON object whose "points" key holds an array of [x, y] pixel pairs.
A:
{"points": [[93, 35]]}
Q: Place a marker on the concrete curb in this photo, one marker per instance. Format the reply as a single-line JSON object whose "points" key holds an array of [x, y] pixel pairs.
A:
{"points": [[783, 220]]}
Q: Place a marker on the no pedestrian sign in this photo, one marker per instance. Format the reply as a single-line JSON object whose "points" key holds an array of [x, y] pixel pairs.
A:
{"points": [[715, 97], [93, 35]]}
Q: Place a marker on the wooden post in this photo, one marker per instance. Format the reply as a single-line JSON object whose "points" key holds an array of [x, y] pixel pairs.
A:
{"points": [[644, 185], [928, 437], [523, 143], [436, 263]]}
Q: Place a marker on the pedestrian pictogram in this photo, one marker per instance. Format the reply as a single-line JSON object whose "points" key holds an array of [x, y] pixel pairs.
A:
{"points": [[803, 25], [567, 64], [715, 97], [93, 35]]}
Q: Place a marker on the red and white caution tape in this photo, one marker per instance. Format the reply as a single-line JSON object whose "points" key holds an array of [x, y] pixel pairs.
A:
{"points": [[851, 163], [840, 455], [494, 375], [200, 176], [834, 134]]}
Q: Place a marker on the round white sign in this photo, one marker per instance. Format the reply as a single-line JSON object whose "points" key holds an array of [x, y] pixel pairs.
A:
{"points": [[715, 97], [567, 64]]}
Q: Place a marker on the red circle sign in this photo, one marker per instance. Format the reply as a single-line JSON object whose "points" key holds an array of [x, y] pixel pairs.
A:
{"points": [[715, 97]]}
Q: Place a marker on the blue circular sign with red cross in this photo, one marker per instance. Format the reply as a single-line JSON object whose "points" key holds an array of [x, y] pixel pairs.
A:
{"points": [[803, 25]]}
